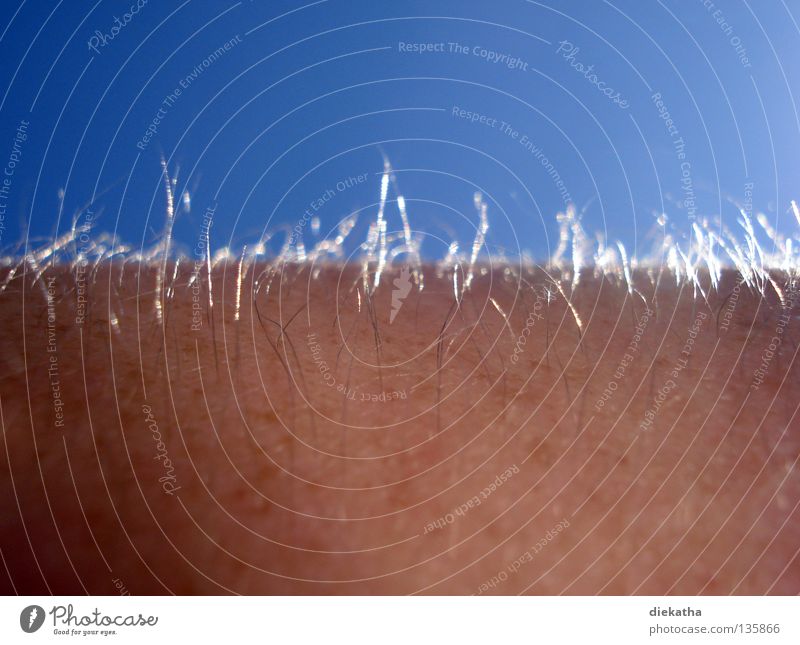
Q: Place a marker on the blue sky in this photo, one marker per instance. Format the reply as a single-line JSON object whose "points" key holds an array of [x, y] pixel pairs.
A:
{"points": [[283, 107]]}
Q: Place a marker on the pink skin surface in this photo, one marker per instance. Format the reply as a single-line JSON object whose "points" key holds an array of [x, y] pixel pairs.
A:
{"points": [[501, 444]]}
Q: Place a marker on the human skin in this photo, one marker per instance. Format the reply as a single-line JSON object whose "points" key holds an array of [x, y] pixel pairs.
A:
{"points": [[312, 447]]}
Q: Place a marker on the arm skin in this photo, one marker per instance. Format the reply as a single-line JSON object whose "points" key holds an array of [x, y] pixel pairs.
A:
{"points": [[313, 447]]}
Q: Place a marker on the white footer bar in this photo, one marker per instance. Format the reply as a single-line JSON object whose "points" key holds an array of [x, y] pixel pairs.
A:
{"points": [[388, 620]]}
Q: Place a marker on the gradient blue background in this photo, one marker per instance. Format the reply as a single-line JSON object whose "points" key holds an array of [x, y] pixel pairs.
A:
{"points": [[314, 95]]}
